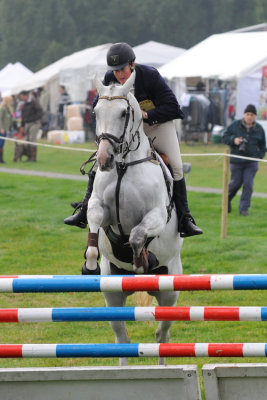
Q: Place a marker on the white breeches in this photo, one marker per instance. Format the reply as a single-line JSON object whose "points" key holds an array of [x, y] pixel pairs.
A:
{"points": [[166, 142]]}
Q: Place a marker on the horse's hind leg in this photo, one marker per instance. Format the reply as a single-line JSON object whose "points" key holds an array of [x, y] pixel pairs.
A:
{"points": [[121, 335], [165, 299]]}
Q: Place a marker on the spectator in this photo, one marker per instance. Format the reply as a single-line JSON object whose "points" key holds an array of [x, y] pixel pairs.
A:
{"points": [[44, 101], [246, 138], [88, 117], [31, 116], [6, 111], [64, 101]]}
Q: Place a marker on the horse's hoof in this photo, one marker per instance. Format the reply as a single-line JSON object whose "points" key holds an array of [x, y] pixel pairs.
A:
{"points": [[86, 271]]}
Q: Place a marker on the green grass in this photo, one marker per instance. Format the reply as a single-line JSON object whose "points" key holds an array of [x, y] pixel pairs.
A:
{"points": [[33, 240]]}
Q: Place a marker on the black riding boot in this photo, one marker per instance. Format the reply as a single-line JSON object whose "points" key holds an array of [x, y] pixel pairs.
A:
{"points": [[80, 218], [186, 223]]}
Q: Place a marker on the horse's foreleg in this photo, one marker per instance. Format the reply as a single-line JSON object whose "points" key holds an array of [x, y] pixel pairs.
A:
{"points": [[95, 216], [118, 327], [151, 225]]}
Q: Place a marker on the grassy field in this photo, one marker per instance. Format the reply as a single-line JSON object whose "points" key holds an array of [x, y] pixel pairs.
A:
{"points": [[33, 240]]}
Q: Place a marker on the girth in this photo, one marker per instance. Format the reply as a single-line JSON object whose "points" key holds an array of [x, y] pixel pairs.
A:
{"points": [[120, 245], [162, 270]]}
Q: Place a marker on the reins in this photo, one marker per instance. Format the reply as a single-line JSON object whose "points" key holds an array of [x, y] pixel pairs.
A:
{"points": [[121, 169], [122, 165]]}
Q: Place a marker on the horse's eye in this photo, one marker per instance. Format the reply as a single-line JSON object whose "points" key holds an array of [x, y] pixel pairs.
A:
{"points": [[123, 113]]}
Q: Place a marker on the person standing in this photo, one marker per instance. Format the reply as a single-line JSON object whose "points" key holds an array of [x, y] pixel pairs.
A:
{"points": [[64, 101], [31, 115], [5, 122], [246, 138], [44, 100]]}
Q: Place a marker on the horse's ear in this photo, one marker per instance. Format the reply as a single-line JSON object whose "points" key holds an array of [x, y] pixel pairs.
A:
{"points": [[129, 83], [98, 84]]}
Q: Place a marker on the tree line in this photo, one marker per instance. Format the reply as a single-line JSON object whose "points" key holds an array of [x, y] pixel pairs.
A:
{"points": [[37, 32]]}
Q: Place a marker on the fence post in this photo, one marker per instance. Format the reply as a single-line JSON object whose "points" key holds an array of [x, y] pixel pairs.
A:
{"points": [[225, 195]]}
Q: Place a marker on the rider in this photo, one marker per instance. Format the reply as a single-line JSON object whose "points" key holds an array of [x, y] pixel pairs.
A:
{"points": [[159, 108]]}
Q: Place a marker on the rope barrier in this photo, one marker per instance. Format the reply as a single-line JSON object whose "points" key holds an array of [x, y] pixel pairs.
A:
{"points": [[47, 145], [221, 155], [93, 150]]}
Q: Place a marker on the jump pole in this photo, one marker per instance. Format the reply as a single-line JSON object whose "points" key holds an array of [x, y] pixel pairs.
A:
{"points": [[150, 283], [134, 350], [133, 314]]}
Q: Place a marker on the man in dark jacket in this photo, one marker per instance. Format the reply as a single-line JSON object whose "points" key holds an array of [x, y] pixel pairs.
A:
{"points": [[246, 138], [31, 122], [159, 108]]}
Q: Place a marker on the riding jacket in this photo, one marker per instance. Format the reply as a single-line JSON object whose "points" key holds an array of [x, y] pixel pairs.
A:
{"points": [[31, 112], [153, 94], [255, 136]]}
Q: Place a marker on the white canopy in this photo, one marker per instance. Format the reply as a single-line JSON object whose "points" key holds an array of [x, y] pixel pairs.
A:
{"points": [[225, 56], [156, 54], [78, 74], [11, 74], [49, 73], [85, 63]]}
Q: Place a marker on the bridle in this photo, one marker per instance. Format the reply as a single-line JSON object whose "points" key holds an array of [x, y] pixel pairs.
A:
{"points": [[119, 145], [122, 147]]}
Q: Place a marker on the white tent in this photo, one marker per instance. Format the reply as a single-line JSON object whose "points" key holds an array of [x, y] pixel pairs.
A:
{"points": [[225, 56], [78, 74], [77, 70], [156, 54], [50, 75], [11, 74], [229, 56]]}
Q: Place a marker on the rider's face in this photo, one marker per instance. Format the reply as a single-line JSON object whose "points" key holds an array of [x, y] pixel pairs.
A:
{"points": [[123, 74]]}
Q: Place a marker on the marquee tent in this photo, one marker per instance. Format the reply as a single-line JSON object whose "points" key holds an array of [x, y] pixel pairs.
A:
{"points": [[225, 56], [11, 74], [229, 56], [50, 75], [77, 70], [51, 72], [156, 54], [78, 75]]}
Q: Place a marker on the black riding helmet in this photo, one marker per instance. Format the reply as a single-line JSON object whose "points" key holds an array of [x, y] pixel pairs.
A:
{"points": [[120, 55]]}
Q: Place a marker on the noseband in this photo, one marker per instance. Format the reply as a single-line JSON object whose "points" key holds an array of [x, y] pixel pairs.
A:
{"points": [[117, 143]]}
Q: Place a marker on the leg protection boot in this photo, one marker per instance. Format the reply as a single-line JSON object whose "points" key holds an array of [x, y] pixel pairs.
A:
{"points": [[79, 217], [186, 223]]}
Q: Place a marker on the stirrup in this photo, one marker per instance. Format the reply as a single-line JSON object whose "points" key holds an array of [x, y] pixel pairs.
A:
{"points": [[76, 204]]}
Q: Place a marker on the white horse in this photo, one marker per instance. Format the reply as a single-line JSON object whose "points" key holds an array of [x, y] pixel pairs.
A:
{"points": [[130, 204]]}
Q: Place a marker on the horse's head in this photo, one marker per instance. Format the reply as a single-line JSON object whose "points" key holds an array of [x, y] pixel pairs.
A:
{"points": [[115, 121]]}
